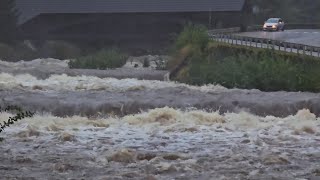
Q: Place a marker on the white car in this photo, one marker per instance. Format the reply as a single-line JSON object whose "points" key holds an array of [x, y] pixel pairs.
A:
{"points": [[274, 24]]}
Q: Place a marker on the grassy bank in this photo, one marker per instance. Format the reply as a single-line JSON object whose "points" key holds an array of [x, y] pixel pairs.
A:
{"points": [[203, 62]]}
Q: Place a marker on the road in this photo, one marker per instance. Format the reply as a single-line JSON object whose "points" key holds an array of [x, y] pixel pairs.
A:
{"points": [[309, 37]]}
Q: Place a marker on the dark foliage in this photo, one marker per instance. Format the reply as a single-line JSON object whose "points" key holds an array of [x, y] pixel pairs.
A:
{"points": [[20, 114]]}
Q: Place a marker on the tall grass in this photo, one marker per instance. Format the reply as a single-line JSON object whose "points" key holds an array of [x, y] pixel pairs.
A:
{"points": [[104, 59]]}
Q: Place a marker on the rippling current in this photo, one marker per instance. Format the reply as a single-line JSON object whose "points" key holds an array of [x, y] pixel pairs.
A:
{"points": [[88, 127]]}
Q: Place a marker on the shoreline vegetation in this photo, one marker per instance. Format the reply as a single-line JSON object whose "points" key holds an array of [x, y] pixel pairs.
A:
{"points": [[199, 60]]}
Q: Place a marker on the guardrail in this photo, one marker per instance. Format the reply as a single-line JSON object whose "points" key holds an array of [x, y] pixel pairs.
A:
{"points": [[259, 28], [267, 43]]}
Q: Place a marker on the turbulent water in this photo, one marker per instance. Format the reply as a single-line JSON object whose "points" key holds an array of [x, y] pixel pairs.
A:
{"points": [[90, 127]]}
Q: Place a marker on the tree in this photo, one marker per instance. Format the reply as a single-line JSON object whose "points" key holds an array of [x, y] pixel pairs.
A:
{"points": [[292, 11], [8, 21]]}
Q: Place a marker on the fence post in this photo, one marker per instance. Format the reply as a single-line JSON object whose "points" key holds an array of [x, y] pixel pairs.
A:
{"points": [[285, 46], [273, 44], [291, 48], [279, 46], [256, 41], [311, 51], [304, 49]]}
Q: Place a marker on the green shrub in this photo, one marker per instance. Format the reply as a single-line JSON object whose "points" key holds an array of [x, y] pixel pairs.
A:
{"points": [[104, 59], [146, 63], [194, 35], [60, 50]]}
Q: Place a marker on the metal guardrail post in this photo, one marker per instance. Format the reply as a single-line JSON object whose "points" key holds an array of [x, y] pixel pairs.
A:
{"points": [[272, 42], [304, 49], [285, 46], [311, 51]]}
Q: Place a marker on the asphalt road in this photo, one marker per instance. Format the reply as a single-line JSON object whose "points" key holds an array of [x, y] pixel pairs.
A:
{"points": [[309, 37]]}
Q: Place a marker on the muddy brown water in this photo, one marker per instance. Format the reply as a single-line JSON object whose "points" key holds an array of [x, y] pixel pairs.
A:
{"points": [[90, 127]]}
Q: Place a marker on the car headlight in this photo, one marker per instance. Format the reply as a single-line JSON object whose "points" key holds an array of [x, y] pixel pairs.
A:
{"points": [[265, 26], [274, 26]]}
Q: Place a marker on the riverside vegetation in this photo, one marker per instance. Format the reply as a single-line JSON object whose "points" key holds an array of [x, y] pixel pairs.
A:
{"points": [[20, 114], [198, 60]]}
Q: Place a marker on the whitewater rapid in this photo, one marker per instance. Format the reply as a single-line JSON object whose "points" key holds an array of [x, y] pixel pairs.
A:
{"points": [[163, 143], [64, 95], [102, 127]]}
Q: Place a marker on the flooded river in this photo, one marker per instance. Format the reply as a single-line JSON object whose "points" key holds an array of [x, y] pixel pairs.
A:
{"points": [[105, 127]]}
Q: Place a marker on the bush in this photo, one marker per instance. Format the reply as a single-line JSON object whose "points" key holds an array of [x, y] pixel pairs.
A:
{"points": [[194, 35], [104, 59], [146, 63], [60, 50]]}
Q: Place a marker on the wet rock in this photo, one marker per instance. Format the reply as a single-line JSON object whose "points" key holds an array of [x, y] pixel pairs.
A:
{"points": [[246, 141], [36, 87], [145, 156]]}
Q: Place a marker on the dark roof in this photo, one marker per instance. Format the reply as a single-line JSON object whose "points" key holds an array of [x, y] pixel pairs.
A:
{"points": [[31, 8]]}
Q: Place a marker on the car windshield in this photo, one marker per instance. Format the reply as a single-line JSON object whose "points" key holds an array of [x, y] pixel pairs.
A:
{"points": [[272, 20]]}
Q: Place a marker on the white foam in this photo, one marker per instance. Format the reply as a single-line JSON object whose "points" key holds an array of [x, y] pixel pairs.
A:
{"points": [[64, 82]]}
